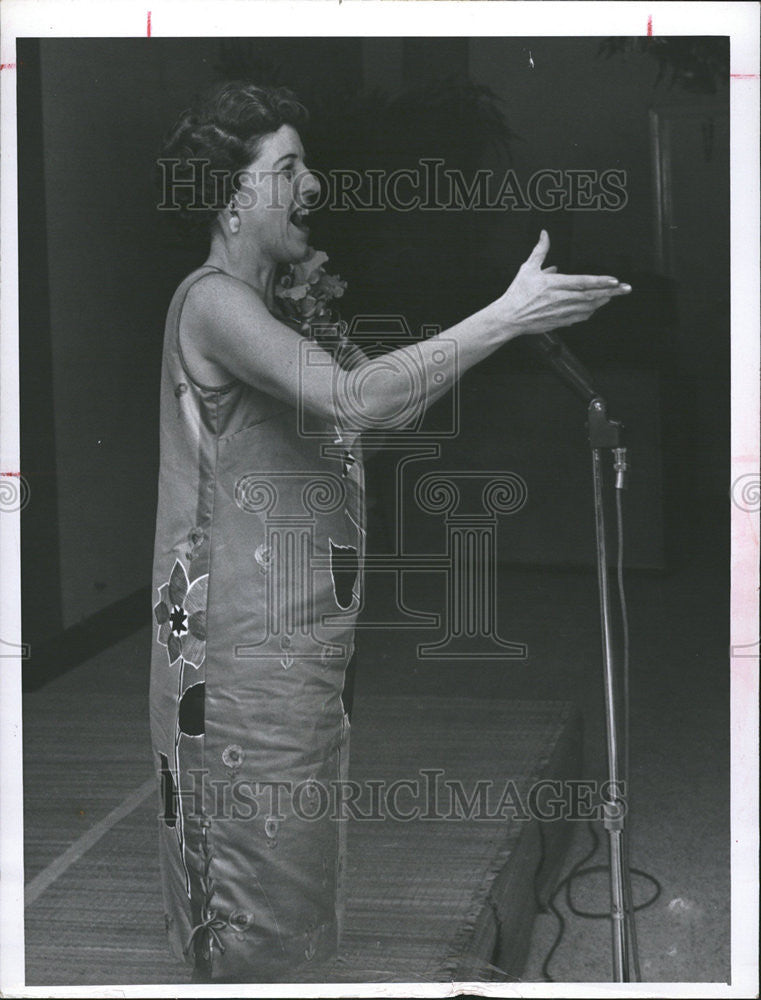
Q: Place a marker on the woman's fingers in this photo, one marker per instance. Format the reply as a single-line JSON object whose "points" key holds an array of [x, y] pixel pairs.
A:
{"points": [[589, 297], [573, 282], [586, 282], [540, 251]]}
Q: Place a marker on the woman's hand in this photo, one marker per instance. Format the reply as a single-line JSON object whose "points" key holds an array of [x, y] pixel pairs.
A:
{"points": [[540, 300]]}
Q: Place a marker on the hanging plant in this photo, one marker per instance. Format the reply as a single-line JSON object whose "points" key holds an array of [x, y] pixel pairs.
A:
{"points": [[698, 65]]}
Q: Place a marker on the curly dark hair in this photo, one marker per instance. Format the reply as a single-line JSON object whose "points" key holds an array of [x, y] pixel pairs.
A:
{"points": [[212, 142]]}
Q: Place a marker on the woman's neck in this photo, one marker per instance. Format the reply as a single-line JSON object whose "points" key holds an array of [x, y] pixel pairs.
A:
{"points": [[245, 265]]}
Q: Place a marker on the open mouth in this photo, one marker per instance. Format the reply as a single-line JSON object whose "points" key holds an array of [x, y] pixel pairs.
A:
{"points": [[298, 219]]}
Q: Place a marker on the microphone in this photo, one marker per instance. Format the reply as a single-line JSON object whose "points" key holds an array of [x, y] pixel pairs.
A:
{"points": [[602, 432], [565, 363]]}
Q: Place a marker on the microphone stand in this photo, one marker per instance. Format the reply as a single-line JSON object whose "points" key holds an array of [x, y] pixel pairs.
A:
{"points": [[605, 434]]}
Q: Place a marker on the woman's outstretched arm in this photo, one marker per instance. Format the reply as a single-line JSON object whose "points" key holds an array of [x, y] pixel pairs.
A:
{"points": [[238, 333]]}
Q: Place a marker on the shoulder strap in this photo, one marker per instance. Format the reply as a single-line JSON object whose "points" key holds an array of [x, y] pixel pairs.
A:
{"points": [[187, 284]]}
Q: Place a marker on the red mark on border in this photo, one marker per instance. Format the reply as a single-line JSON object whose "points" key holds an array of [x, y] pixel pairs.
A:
{"points": [[149, 24], [9, 65], [650, 25], [744, 76], [16, 475]]}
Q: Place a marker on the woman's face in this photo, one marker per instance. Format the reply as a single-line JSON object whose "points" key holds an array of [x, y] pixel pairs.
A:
{"points": [[272, 198]]}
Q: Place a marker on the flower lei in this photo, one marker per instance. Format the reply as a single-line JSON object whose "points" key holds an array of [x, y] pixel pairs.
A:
{"points": [[304, 294]]}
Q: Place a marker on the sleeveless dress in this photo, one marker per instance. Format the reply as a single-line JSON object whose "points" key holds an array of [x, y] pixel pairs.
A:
{"points": [[256, 587]]}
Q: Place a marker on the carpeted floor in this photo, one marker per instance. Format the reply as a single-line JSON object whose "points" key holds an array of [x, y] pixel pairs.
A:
{"points": [[679, 791], [430, 898]]}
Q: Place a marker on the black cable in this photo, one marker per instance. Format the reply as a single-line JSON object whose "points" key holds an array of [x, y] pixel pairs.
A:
{"points": [[579, 869], [605, 914], [550, 905]]}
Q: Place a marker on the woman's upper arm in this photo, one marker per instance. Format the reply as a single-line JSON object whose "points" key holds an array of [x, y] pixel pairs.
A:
{"points": [[236, 331]]}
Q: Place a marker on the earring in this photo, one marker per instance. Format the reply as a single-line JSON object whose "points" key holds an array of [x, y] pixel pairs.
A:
{"points": [[234, 218]]}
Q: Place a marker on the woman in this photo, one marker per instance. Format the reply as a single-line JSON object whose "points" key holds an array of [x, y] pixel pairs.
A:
{"points": [[259, 541]]}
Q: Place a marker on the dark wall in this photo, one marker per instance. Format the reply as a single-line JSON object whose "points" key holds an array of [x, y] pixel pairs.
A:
{"points": [[578, 109], [104, 106]]}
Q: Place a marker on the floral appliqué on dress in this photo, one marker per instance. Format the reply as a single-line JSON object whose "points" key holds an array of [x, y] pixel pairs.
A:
{"points": [[181, 616]]}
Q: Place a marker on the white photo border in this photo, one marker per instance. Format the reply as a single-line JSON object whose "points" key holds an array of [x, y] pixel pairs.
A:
{"points": [[212, 18]]}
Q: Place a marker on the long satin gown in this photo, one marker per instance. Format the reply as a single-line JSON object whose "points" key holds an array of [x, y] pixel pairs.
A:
{"points": [[256, 589]]}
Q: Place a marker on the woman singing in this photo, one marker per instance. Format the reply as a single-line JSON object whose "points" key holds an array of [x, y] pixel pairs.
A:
{"points": [[259, 541]]}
